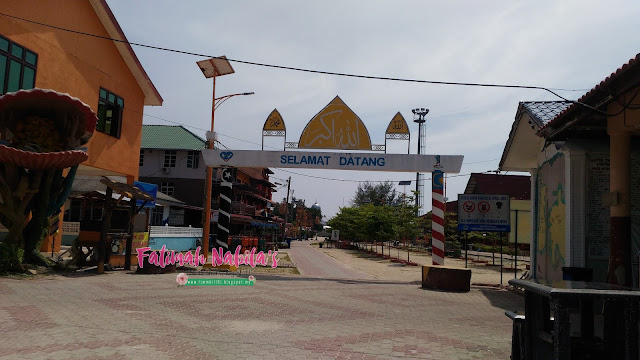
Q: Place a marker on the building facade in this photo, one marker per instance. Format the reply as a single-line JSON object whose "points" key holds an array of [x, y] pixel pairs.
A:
{"points": [[105, 75], [584, 159]]}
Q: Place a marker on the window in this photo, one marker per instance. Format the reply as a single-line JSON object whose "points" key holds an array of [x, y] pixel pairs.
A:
{"points": [[192, 159], [167, 188], [17, 67], [110, 108], [176, 217], [156, 216], [74, 212], [141, 163], [169, 158]]}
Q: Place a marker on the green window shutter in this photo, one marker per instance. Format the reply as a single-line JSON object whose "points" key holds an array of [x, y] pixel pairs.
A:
{"points": [[14, 76], [29, 78], [3, 70], [16, 50]]}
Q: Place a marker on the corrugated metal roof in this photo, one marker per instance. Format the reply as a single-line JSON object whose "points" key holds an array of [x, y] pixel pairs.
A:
{"points": [[545, 111], [83, 184], [170, 138]]}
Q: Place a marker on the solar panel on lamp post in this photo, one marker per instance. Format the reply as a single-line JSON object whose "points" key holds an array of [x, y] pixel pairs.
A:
{"points": [[213, 68]]}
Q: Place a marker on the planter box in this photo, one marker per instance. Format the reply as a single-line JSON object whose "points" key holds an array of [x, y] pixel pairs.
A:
{"points": [[446, 278]]}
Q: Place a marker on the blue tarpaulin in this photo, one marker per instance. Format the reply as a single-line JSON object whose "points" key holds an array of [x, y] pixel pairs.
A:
{"points": [[150, 189]]}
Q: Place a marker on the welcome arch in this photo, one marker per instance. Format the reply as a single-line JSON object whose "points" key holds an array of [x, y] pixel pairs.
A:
{"points": [[336, 127]]}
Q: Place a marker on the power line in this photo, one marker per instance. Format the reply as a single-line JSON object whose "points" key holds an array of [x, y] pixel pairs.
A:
{"points": [[370, 77], [251, 142]]}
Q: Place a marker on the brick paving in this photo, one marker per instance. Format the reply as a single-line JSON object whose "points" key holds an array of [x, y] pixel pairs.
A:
{"points": [[127, 316]]}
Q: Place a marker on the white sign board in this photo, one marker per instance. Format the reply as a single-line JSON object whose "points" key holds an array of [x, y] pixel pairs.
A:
{"points": [[484, 213], [333, 160], [335, 235]]}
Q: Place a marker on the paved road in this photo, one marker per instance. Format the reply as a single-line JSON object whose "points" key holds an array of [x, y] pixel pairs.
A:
{"points": [[314, 263], [127, 316]]}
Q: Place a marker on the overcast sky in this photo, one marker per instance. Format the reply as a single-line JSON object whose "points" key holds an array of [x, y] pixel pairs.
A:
{"points": [[556, 44]]}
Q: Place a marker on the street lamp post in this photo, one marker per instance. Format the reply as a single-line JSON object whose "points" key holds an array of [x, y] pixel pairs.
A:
{"points": [[212, 68], [420, 120]]}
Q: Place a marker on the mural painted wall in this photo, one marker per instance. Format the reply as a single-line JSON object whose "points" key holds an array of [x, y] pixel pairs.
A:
{"points": [[550, 219]]}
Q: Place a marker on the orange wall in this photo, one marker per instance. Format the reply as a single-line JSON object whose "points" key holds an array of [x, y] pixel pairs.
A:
{"points": [[80, 65]]}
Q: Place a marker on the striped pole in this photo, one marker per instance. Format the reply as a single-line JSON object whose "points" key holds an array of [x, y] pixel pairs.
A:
{"points": [[437, 217], [224, 219]]}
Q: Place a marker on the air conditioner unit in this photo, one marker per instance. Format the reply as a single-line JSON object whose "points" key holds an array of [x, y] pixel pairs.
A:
{"points": [[165, 170]]}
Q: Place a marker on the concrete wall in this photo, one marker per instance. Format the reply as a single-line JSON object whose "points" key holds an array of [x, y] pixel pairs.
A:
{"points": [[154, 162], [523, 210]]}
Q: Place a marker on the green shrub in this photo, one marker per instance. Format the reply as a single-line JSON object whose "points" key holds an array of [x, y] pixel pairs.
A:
{"points": [[10, 257]]}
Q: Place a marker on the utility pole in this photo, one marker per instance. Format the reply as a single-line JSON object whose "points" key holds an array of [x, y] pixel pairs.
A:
{"points": [[286, 211]]}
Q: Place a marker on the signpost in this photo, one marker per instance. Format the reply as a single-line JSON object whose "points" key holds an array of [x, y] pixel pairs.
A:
{"points": [[486, 213]]}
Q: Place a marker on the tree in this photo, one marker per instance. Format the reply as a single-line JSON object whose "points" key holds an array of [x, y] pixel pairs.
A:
{"points": [[407, 224], [376, 194]]}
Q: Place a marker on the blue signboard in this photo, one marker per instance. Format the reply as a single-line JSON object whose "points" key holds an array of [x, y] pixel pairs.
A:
{"points": [[150, 189], [488, 213]]}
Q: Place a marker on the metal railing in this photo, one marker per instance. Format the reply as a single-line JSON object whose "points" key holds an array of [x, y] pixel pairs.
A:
{"points": [[175, 230], [70, 227]]}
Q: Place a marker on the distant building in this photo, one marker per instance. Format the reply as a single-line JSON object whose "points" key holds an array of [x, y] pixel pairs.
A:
{"points": [[518, 187], [171, 157]]}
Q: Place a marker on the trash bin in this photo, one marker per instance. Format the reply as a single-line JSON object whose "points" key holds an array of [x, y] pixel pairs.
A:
{"points": [[320, 245], [577, 273]]}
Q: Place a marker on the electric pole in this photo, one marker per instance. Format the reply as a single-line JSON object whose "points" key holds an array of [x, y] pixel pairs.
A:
{"points": [[286, 211]]}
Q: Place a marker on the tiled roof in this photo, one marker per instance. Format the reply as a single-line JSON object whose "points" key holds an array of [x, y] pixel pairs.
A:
{"points": [[545, 111], [170, 138], [516, 186], [603, 85]]}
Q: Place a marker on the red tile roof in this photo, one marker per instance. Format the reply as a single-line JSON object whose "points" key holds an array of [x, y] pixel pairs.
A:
{"points": [[592, 94], [516, 186]]}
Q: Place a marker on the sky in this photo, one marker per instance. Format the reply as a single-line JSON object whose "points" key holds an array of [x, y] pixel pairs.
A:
{"points": [[571, 45]]}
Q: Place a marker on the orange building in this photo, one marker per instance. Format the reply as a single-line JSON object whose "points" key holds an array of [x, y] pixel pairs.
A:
{"points": [[104, 74]]}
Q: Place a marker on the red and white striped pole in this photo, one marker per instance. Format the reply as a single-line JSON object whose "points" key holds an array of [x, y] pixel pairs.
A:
{"points": [[437, 217]]}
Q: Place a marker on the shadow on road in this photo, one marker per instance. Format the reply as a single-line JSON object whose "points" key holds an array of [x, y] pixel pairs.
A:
{"points": [[505, 300]]}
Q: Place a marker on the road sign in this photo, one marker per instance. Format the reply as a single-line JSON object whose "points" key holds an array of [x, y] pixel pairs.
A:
{"points": [[335, 235], [488, 213]]}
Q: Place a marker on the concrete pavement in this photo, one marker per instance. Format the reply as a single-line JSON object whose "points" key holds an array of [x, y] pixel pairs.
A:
{"points": [[313, 263]]}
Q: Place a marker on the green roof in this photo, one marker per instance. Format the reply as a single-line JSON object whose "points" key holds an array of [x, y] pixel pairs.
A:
{"points": [[170, 138]]}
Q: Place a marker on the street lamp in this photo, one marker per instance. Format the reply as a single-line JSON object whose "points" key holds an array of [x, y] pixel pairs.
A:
{"points": [[212, 68], [420, 113]]}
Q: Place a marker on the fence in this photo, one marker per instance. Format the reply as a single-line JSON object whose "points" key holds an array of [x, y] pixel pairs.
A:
{"points": [[175, 230]]}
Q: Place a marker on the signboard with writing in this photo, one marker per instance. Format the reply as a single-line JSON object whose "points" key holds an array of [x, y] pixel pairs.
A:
{"points": [[274, 123], [335, 127], [398, 125], [332, 160], [140, 240], [335, 235], [488, 213]]}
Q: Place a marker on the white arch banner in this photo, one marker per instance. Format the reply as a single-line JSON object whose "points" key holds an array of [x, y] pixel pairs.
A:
{"points": [[333, 160]]}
